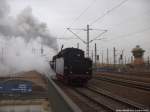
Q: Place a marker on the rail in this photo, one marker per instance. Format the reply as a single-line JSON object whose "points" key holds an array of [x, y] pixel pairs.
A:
{"points": [[59, 101], [126, 82], [117, 98]]}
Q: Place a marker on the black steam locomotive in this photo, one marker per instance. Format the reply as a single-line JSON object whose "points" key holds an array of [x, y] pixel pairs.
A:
{"points": [[72, 67]]}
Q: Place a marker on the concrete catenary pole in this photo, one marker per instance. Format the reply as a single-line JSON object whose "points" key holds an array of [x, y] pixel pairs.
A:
{"points": [[42, 50], [95, 54], [78, 45], [125, 60], [102, 58], [122, 57], [92, 55], [88, 41], [87, 47], [107, 59], [148, 60], [114, 54]]}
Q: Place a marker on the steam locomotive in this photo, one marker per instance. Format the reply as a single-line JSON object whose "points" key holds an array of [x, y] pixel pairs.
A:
{"points": [[72, 67]]}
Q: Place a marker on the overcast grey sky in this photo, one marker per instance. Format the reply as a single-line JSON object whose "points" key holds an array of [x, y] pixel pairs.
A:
{"points": [[128, 25]]}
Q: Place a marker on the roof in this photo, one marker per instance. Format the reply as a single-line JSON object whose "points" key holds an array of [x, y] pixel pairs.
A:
{"points": [[68, 51], [138, 49]]}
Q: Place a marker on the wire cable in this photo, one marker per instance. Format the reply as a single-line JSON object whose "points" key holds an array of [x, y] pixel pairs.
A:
{"points": [[130, 34], [108, 11], [80, 15]]}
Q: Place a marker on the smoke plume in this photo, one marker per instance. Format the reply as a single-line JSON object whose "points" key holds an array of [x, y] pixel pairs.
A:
{"points": [[4, 8], [17, 36], [25, 25]]}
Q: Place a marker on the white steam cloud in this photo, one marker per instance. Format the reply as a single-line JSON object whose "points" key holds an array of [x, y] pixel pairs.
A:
{"points": [[20, 57], [19, 33], [4, 8], [25, 26]]}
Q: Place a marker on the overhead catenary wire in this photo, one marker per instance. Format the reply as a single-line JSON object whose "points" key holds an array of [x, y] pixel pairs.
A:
{"points": [[96, 38], [107, 12], [132, 33], [76, 35], [80, 15], [134, 18], [66, 38]]}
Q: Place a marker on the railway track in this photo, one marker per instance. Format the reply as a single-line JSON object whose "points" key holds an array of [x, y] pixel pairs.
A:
{"points": [[116, 97], [94, 99], [140, 78], [134, 74], [85, 104], [108, 101], [125, 82]]}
